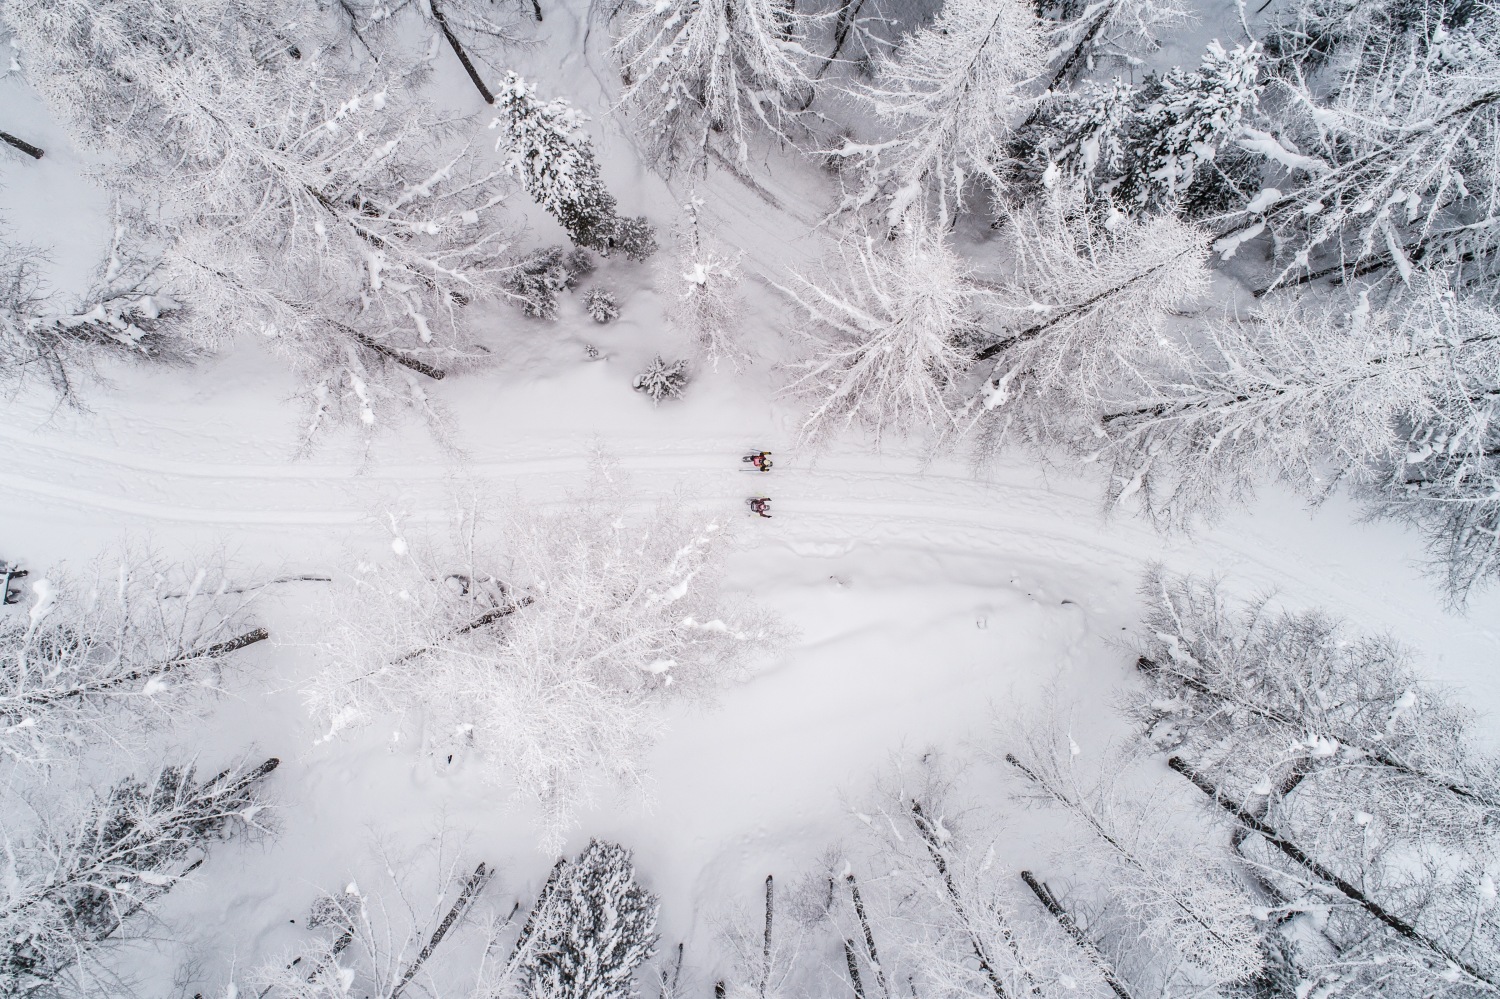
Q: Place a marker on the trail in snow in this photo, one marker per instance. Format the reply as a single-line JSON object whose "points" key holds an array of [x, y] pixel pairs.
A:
{"points": [[825, 504]]}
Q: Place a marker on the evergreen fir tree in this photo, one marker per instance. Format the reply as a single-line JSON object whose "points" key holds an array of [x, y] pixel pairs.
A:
{"points": [[1145, 148], [601, 305], [1187, 115], [548, 150], [593, 928], [662, 379]]}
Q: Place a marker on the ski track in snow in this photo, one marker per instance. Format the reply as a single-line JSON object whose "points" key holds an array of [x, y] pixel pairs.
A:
{"points": [[823, 506]]}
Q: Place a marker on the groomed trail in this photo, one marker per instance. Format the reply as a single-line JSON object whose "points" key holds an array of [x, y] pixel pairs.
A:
{"points": [[826, 503]]}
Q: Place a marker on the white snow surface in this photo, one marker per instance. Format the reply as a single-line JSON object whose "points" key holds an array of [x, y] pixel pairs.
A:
{"points": [[927, 598]]}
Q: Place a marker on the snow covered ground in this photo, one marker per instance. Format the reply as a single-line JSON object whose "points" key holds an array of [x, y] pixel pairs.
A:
{"points": [[928, 598]]}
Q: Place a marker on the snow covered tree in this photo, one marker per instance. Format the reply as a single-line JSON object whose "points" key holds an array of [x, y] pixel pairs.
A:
{"points": [[1255, 690], [326, 210], [952, 94], [1360, 802], [708, 307], [81, 874], [1447, 481], [1145, 149], [1394, 396], [1301, 391], [1384, 160], [697, 70], [591, 930], [947, 907], [546, 649], [1084, 297], [379, 941], [134, 636], [888, 332], [546, 148], [1167, 912], [538, 277]]}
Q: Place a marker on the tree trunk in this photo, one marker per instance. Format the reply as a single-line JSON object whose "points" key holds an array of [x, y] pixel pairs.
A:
{"points": [[35, 152], [852, 963], [848, 11], [864, 924], [1073, 57], [669, 987], [488, 617], [1031, 333], [1066, 921], [765, 950], [1298, 856], [463, 57], [529, 927], [157, 669], [403, 359]]}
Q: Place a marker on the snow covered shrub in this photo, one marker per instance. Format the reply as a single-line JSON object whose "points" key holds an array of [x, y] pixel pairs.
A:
{"points": [[1167, 911], [80, 871], [1351, 781], [953, 93], [886, 332], [1085, 298], [590, 931], [695, 70], [547, 647], [1145, 149], [537, 278], [133, 636], [321, 207], [545, 146], [600, 304], [708, 307], [662, 379]]}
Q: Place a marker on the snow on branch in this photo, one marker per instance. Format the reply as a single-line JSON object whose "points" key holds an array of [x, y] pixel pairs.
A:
{"points": [[1085, 298]]}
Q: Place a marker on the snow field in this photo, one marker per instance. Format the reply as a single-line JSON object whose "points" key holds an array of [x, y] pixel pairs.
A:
{"points": [[928, 599]]}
